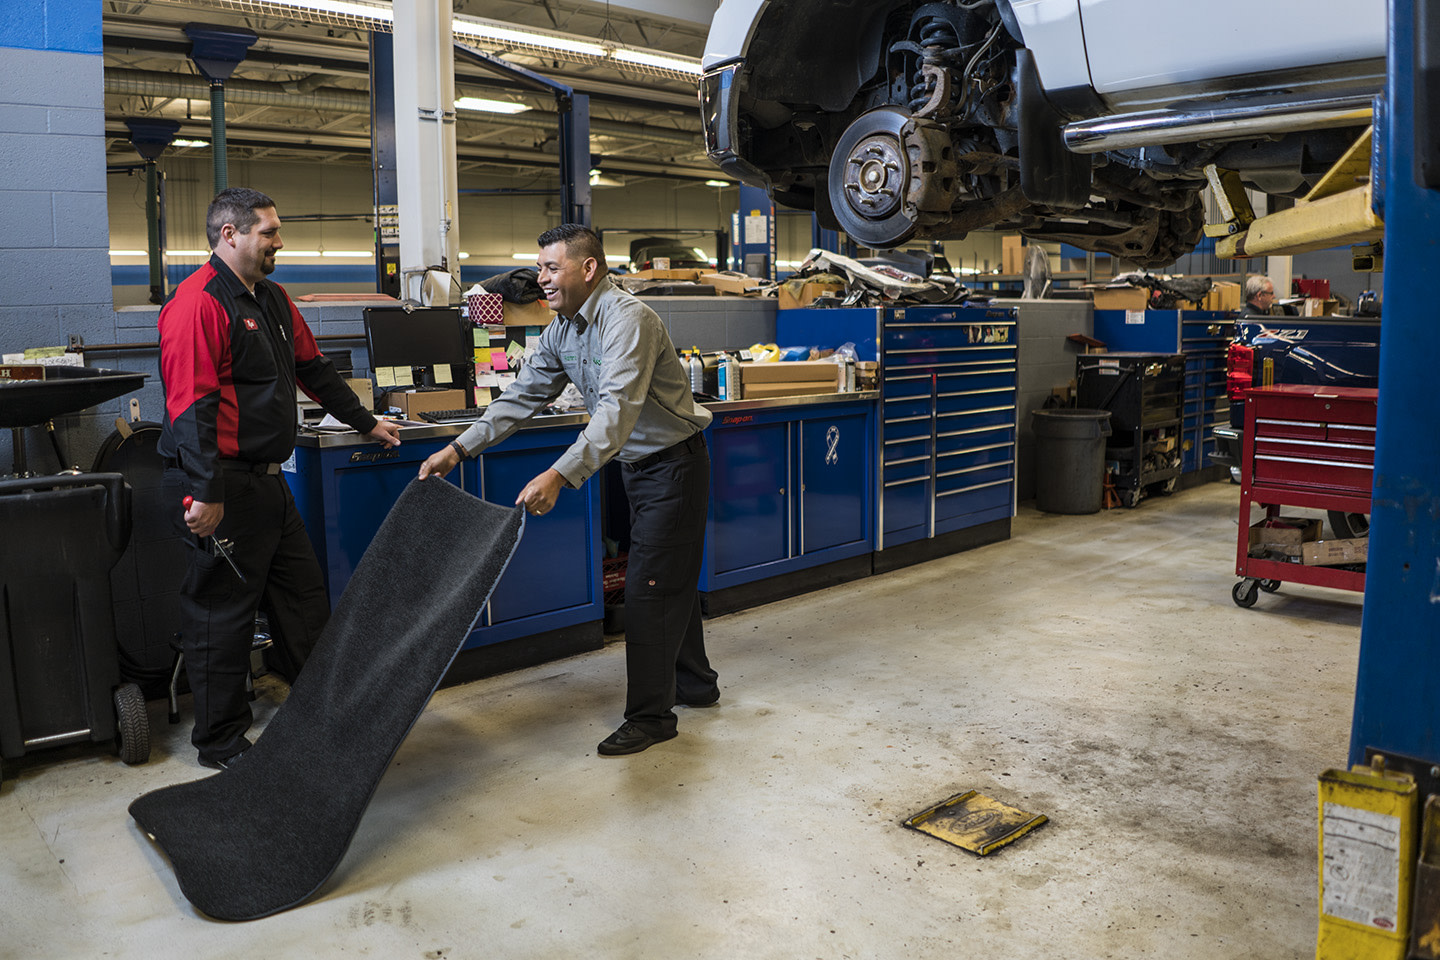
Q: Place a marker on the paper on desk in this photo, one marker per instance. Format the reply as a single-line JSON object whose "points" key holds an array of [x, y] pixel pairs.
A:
{"points": [[329, 424], [487, 379]]}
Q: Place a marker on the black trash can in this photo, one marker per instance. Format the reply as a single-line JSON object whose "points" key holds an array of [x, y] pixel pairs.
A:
{"points": [[1070, 459]]}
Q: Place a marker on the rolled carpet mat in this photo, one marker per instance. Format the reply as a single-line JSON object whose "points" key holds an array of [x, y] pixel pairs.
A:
{"points": [[265, 834]]}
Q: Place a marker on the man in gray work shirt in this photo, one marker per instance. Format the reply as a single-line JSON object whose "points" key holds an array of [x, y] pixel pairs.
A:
{"points": [[616, 351]]}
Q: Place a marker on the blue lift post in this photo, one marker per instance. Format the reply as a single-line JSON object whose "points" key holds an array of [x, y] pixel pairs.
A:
{"points": [[383, 163], [753, 230], [1397, 691]]}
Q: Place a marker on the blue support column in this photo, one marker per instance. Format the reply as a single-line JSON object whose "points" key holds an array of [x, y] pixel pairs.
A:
{"points": [[1397, 692], [383, 164]]}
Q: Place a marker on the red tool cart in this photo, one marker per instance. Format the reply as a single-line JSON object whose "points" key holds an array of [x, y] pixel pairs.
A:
{"points": [[1305, 446]]}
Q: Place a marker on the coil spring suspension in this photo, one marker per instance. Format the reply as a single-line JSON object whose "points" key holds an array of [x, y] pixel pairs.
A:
{"points": [[939, 48]]}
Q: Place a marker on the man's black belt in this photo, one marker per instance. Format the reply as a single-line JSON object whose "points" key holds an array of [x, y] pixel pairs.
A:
{"points": [[235, 466], [247, 466], [692, 443]]}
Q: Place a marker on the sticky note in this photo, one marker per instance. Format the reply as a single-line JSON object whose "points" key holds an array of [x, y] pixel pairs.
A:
{"points": [[514, 351], [442, 373], [500, 360], [482, 396], [404, 377], [482, 337], [385, 377]]}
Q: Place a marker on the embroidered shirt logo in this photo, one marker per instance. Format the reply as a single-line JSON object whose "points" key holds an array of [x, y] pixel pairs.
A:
{"points": [[251, 324]]}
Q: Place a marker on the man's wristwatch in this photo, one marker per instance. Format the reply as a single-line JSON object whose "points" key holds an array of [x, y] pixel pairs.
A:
{"points": [[464, 454]]}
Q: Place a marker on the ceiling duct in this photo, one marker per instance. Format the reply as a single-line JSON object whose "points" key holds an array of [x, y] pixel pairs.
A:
{"points": [[333, 100], [491, 35]]}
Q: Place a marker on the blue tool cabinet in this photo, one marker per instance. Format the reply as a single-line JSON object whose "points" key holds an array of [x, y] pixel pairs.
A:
{"points": [[945, 447], [345, 485], [1202, 336], [791, 497]]}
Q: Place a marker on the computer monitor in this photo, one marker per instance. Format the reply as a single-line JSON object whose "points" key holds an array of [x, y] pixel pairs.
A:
{"points": [[423, 337]]}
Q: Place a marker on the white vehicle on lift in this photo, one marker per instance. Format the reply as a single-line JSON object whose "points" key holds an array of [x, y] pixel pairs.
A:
{"points": [[1089, 122]]}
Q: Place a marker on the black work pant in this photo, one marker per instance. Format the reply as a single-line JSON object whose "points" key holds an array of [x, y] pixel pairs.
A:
{"points": [[664, 639], [217, 610]]}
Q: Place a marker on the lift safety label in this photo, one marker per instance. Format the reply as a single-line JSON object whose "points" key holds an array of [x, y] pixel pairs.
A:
{"points": [[1361, 872]]}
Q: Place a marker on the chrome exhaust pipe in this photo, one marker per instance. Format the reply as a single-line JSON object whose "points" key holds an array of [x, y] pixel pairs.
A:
{"points": [[1226, 120]]}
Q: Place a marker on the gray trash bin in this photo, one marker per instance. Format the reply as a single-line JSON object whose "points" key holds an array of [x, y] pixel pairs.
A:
{"points": [[1070, 459]]}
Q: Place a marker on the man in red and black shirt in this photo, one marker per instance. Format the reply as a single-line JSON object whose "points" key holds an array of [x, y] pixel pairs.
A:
{"points": [[233, 348]]}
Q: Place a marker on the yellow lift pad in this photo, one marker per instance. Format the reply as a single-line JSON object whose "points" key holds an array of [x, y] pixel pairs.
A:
{"points": [[974, 822], [1368, 835]]}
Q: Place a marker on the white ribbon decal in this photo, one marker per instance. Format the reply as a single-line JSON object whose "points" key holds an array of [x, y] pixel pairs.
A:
{"points": [[832, 440]]}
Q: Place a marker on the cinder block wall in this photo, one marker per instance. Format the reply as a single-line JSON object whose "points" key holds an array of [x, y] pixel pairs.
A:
{"points": [[716, 323], [54, 233]]}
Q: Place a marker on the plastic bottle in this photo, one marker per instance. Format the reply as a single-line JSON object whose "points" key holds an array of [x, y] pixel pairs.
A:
{"points": [[729, 375], [695, 367]]}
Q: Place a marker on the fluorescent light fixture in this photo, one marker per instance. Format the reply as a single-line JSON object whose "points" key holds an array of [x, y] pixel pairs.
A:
{"points": [[189, 143], [128, 253], [347, 8], [347, 253], [463, 255], [717, 183], [297, 253], [187, 253], [525, 256], [645, 59], [503, 34], [490, 106]]}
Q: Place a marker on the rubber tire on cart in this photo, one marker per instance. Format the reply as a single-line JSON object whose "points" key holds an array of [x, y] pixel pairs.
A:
{"points": [[1269, 586], [1167, 487], [1347, 526], [1245, 593], [1129, 497], [132, 725]]}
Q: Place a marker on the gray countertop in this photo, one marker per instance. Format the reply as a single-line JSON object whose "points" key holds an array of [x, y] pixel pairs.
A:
{"points": [[432, 431]]}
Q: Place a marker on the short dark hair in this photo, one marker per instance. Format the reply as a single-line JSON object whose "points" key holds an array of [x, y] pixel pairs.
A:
{"points": [[235, 205], [580, 241]]}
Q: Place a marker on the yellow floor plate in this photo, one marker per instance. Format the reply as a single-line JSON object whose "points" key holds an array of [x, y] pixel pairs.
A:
{"points": [[974, 822]]}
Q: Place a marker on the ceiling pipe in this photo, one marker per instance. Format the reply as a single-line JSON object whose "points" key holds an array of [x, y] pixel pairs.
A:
{"points": [[142, 83]]}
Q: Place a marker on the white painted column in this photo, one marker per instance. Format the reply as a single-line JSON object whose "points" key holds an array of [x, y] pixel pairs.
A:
{"points": [[425, 141]]}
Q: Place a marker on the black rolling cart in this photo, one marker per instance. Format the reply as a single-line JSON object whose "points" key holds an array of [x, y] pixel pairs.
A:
{"points": [[1144, 393], [59, 670]]}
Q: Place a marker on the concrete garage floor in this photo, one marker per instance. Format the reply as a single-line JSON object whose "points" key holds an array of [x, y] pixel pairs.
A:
{"points": [[1091, 668]]}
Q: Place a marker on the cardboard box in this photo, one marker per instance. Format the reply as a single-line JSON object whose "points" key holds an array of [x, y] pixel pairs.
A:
{"points": [[1120, 298], [1222, 296], [535, 314], [413, 404], [1284, 535], [736, 283], [1012, 254], [795, 388], [657, 274], [1330, 552], [794, 371], [800, 293]]}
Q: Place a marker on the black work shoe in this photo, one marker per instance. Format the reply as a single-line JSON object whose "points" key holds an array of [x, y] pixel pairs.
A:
{"points": [[630, 739], [698, 704], [225, 764]]}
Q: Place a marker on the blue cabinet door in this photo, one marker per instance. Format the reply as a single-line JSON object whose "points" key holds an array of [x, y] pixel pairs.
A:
{"points": [[749, 471], [550, 569], [834, 453]]}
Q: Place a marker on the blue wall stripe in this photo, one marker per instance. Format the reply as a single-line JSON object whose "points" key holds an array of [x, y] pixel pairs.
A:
{"points": [[69, 25]]}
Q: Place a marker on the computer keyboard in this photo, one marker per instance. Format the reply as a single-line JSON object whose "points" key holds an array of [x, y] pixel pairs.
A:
{"points": [[452, 416]]}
